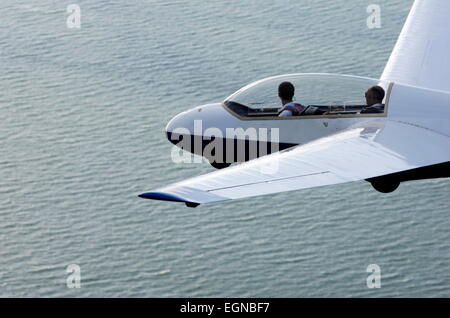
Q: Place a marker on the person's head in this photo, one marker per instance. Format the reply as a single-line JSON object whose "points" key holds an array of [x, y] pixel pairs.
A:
{"points": [[374, 95], [286, 92]]}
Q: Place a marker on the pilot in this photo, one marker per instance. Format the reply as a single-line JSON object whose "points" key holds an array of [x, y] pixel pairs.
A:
{"points": [[374, 100], [286, 91]]}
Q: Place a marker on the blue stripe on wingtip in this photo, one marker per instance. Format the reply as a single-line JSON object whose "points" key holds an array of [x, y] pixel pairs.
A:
{"points": [[161, 196]]}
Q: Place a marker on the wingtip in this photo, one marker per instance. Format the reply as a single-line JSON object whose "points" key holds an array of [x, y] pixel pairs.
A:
{"points": [[167, 197], [145, 196], [161, 196]]}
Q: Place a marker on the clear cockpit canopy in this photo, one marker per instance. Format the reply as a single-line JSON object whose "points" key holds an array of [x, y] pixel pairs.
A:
{"points": [[331, 90]]}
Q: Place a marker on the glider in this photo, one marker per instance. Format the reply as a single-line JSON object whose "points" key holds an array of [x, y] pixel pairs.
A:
{"points": [[331, 140]]}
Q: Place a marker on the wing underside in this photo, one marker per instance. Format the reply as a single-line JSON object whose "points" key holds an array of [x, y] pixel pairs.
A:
{"points": [[371, 149]]}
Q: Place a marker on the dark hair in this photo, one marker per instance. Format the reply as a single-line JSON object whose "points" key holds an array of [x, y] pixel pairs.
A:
{"points": [[378, 93], [286, 90]]}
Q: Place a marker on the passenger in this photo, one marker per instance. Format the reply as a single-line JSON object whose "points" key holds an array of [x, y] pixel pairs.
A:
{"points": [[374, 100], [286, 93]]}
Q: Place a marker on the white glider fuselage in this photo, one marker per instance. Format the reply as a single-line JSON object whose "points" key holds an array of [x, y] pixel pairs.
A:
{"points": [[429, 109]]}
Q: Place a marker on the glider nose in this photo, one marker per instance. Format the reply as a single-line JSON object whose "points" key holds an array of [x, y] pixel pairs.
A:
{"points": [[193, 121], [176, 124], [171, 124]]}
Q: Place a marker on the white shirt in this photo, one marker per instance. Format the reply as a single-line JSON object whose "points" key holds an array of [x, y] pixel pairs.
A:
{"points": [[285, 113]]}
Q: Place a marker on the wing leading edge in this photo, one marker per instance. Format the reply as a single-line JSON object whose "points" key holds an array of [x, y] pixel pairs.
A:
{"points": [[368, 150]]}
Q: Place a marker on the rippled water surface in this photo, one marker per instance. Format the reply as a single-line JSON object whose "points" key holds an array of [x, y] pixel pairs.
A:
{"points": [[82, 117]]}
